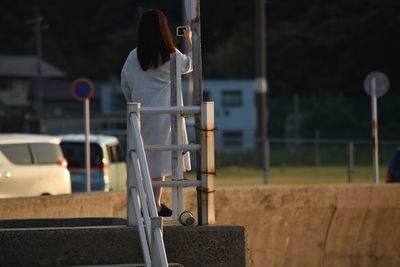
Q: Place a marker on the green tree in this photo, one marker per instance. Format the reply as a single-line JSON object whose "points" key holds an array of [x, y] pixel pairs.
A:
{"points": [[234, 58], [329, 47]]}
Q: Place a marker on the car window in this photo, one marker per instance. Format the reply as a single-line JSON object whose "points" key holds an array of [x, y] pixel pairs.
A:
{"points": [[115, 153], [46, 153], [17, 153], [74, 152]]}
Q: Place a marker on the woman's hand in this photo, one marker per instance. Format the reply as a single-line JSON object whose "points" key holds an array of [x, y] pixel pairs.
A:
{"points": [[187, 34]]}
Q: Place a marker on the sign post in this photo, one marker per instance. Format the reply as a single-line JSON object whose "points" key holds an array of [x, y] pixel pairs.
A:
{"points": [[82, 90], [376, 84]]}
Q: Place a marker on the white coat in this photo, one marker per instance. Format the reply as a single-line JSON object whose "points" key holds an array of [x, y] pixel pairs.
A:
{"points": [[152, 88]]}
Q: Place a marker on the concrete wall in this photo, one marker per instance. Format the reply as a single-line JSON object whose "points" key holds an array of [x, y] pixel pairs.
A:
{"points": [[333, 225], [77, 245]]}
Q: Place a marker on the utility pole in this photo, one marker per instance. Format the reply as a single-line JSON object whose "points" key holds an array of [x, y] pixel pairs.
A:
{"points": [[38, 27], [261, 59], [186, 20], [205, 162]]}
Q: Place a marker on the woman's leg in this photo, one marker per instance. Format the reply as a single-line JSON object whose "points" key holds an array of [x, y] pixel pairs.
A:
{"points": [[158, 192]]}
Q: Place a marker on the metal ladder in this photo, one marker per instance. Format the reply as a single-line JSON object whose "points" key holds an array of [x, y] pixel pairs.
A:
{"points": [[141, 206]]}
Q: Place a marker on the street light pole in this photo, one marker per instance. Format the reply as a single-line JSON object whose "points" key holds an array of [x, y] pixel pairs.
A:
{"points": [[261, 59]]}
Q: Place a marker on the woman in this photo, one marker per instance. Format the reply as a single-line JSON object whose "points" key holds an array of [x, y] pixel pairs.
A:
{"points": [[145, 79]]}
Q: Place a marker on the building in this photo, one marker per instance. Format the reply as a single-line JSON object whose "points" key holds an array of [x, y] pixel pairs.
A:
{"points": [[235, 113], [235, 110], [17, 74]]}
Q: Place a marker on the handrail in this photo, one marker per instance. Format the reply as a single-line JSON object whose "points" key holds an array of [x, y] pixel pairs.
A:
{"points": [[171, 110], [141, 197], [177, 183], [191, 147]]}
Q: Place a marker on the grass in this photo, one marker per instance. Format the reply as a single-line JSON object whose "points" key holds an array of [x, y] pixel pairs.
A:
{"points": [[294, 175]]}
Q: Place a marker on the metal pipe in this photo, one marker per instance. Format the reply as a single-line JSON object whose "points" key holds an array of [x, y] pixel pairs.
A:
{"points": [[207, 165], [191, 147], [176, 183], [138, 144], [187, 110], [130, 179], [87, 145], [142, 195], [142, 235], [350, 155], [261, 59], [375, 153]]}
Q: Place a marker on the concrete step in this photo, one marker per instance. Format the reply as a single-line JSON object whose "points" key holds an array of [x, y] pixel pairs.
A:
{"points": [[104, 241]]}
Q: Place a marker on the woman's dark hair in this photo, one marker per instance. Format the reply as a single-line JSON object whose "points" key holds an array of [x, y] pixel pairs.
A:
{"points": [[155, 41]]}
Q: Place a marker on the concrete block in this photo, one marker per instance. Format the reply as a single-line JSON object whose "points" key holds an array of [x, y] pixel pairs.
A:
{"points": [[57, 245], [60, 222], [298, 225]]}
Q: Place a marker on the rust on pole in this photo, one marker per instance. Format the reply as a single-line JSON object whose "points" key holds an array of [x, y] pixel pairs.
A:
{"points": [[194, 9], [204, 160], [376, 84], [207, 169]]}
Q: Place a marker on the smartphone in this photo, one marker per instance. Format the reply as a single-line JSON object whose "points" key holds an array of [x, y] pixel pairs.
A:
{"points": [[180, 30]]}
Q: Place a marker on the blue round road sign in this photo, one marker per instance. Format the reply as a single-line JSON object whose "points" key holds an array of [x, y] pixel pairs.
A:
{"points": [[82, 89]]}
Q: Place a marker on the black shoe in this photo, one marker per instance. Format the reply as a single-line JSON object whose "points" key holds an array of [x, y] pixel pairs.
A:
{"points": [[165, 211]]}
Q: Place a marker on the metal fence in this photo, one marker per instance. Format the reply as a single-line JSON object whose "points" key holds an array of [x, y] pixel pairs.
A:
{"points": [[349, 160]]}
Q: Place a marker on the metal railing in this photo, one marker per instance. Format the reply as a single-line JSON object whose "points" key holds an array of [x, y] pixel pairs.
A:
{"points": [[141, 206], [142, 210]]}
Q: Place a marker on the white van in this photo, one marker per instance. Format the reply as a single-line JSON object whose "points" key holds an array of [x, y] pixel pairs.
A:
{"points": [[32, 165], [108, 168]]}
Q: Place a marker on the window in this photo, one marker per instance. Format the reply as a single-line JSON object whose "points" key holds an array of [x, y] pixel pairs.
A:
{"points": [[233, 138], [17, 153], [206, 95], [115, 153], [231, 99], [46, 153], [74, 152]]}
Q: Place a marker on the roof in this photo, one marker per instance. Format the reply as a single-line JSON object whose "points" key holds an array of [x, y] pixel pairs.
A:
{"points": [[26, 66], [28, 138], [101, 139]]}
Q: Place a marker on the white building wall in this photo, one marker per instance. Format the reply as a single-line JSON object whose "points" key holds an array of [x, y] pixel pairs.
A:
{"points": [[236, 124]]}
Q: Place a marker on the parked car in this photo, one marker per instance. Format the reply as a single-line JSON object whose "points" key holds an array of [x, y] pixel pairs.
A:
{"points": [[393, 174], [32, 165], [108, 168]]}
